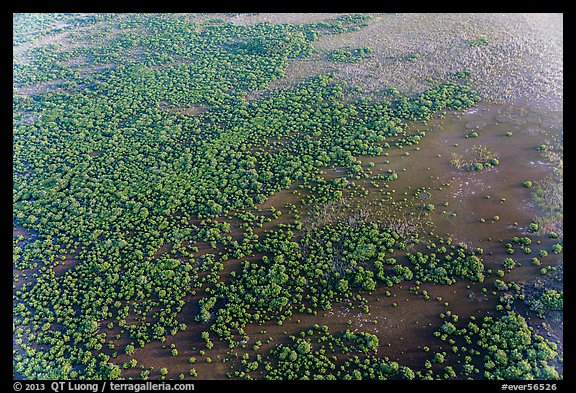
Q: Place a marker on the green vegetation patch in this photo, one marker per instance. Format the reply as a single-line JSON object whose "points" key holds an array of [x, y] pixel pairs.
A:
{"points": [[507, 348], [317, 354], [445, 265], [349, 55], [478, 42], [132, 206], [410, 57], [328, 265]]}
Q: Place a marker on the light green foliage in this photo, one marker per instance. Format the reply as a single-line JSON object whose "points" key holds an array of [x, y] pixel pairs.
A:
{"points": [[478, 42], [509, 349], [349, 55], [147, 147], [309, 359], [444, 266], [546, 300], [508, 263]]}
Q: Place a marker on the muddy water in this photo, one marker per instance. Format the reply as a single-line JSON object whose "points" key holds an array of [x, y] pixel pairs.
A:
{"points": [[472, 194], [405, 329], [404, 321]]}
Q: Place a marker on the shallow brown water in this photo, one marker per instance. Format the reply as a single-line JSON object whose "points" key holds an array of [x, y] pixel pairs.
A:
{"points": [[404, 330], [471, 194]]}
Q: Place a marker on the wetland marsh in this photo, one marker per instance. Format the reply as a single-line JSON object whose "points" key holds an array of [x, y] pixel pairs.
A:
{"points": [[288, 196]]}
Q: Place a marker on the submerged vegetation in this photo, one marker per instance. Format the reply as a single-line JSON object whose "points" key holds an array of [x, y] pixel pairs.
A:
{"points": [[479, 157], [549, 192], [141, 171]]}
